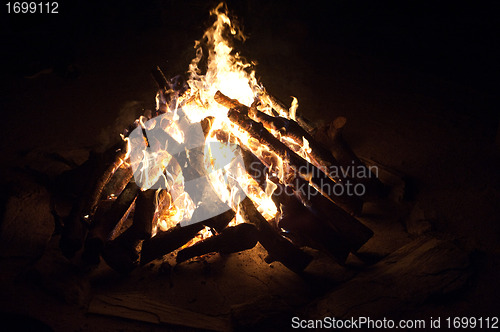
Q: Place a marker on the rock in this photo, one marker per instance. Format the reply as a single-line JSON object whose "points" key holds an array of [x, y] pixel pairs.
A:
{"points": [[405, 279], [28, 223]]}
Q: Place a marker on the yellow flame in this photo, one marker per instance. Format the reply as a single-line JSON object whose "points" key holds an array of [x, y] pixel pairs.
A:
{"points": [[226, 71], [293, 108]]}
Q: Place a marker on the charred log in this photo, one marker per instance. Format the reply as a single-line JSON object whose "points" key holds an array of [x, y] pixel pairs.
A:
{"points": [[101, 167], [122, 253], [280, 108], [279, 248], [293, 130], [320, 223], [118, 182], [230, 240], [167, 241], [354, 232], [302, 167], [106, 222]]}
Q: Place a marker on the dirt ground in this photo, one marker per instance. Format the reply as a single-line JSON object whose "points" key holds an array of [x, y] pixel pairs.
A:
{"points": [[417, 100]]}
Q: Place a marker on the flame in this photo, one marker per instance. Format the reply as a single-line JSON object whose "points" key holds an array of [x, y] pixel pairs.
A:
{"points": [[228, 72], [293, 108]]}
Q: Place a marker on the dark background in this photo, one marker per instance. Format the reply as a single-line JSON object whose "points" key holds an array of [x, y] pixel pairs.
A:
{"points": [[100, 54], [454, 40]]}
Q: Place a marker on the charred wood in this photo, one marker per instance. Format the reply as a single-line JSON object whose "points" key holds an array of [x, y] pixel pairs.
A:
{"points": [[305, 169], [312, 219], [293, 130], [110, 161], [230, 240], [100, 168], [280, 108], [122, 253], [279, 248], [167, 241], [118, 182], [103, 226]]}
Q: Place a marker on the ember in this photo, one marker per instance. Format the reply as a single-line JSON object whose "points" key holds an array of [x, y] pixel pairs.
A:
{"points": [[223, 162]]}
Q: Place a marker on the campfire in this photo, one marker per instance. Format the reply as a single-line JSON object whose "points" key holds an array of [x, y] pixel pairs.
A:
{"points": [[219, 166]]}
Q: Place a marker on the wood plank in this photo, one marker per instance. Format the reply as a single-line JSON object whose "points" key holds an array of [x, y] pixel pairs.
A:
{"points": [[138, 307]]}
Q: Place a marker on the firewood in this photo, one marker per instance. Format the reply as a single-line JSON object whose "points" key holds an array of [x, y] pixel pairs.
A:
{"points": [[111, 159], [167, 241], [117, 183], [239, 114], [217, 222], [277, 105], [231, 239], [279, 248], [122, 253], [293, 130], [321, 224], [101, 167], [225, 101], [103, 226], [305, 169], [160, 79]]}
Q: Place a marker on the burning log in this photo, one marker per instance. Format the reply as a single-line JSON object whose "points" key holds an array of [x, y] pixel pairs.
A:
{"points": [[232, 239], [293, 130], [112, 159], [317, 177], [331, 138], [314, 175], [279, 248], [321, 225], [106, 222], [167, 241], [280, 108], [228, 102]]}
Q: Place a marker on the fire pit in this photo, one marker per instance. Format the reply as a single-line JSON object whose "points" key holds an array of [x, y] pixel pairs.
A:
{"points": [[218, 166]]}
